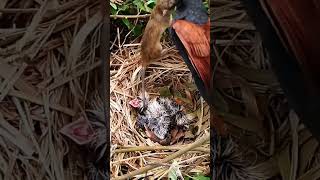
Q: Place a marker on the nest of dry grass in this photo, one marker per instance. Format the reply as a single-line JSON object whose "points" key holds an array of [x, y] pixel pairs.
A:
{"points": [[132, 149]]}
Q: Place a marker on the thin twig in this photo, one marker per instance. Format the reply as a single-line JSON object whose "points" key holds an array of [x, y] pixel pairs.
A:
{"points": [[130, 16], [34, 10], [18, 10], [152, 148]]}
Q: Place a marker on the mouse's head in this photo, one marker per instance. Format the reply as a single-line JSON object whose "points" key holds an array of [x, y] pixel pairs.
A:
{"points": [[167, 4]]}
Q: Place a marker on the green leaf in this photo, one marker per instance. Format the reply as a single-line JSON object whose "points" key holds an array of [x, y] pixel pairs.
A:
{"points": [[165, 91], [139, 4], [202, 178], [137, 30], [113, 11], [127, 23], [124, 7], [198, 177], [174, 171], [172, 175], [148, 9], [150, 5], [113, 5], [205, 3], [151, 1]]}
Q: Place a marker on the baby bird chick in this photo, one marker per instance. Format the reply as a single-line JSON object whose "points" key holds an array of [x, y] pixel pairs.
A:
{"points": [[91, 132], [163, 119]]}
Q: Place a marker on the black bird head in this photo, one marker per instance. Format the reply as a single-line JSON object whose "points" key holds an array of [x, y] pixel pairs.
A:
{"points": [[191, 10]]}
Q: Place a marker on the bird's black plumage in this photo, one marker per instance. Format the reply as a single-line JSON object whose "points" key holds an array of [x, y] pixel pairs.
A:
{"points": [[184, 54], [192, 11]]}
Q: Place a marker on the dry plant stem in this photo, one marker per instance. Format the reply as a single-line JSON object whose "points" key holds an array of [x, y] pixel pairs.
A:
{"points": [[198, 143], [130, 16], [38, 101], [152, 148], [34, 10], [18, 10], [143, 71]]}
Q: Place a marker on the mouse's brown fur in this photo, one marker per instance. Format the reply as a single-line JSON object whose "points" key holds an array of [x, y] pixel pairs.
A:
{"points": [[150, 43], [159, 20]]}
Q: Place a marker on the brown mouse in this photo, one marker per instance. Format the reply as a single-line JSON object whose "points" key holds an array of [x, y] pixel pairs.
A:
{"points": [[151, 48]]}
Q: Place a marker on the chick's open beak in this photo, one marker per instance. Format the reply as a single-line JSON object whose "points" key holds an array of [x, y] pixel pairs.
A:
{"points": [[135, 103]]}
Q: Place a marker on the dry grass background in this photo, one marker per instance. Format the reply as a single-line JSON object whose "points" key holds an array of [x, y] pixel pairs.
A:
{"points": [[47, 73], [269, 136]]}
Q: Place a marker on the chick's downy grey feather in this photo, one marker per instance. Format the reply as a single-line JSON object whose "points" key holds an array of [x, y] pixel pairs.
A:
{"points": [[161, 115]]}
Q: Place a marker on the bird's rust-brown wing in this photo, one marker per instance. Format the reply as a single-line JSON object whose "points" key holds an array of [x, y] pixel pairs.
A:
{"points": [[194, 36], [196, 41]]}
